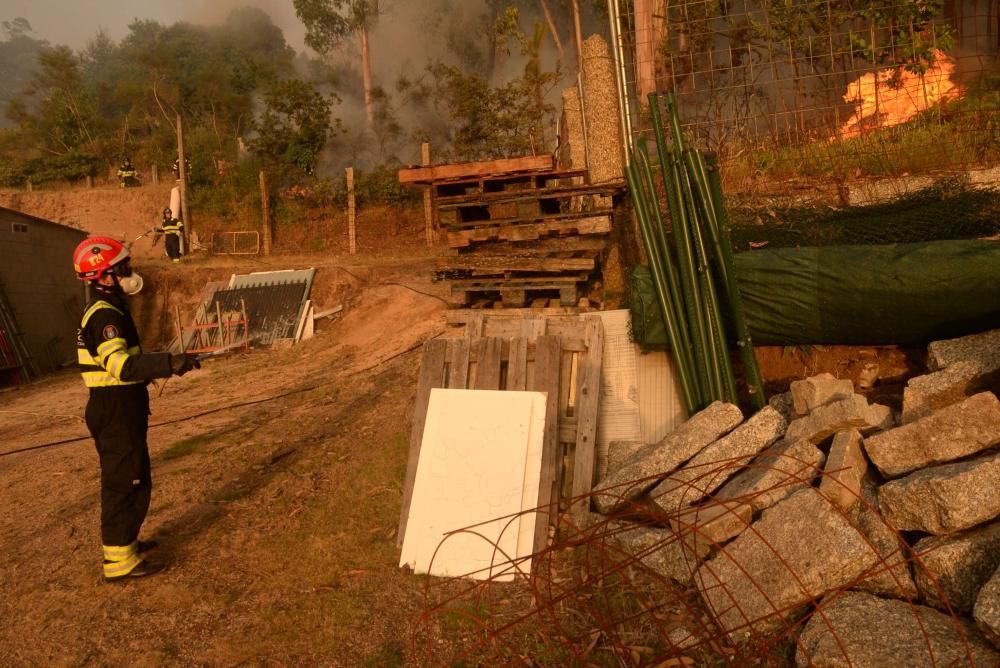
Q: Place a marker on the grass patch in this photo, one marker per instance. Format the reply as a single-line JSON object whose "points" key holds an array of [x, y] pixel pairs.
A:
{"points": [[189, 445], [386, 656]]}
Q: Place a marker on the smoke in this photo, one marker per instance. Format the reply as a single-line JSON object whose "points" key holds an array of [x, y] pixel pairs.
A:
{"points": [[413, 34], [409, 36], [75, 23]]}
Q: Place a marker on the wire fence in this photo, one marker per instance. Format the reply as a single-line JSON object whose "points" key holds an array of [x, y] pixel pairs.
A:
{"points": [[819, 89], [656, 584]]}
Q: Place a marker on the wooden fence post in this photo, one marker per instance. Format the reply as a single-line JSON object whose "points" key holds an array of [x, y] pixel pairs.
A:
{"points": [[352, 234], [425, 154], [265, 207]]}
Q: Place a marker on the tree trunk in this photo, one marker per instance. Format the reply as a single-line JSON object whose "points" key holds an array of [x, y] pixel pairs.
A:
{"points": [[552, 29], [491, 55], [645, 50], [366, 69], [579, 36]]}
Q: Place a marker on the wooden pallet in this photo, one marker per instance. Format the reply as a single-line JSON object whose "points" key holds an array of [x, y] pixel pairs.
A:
{"points": [[473, 171], [468, 210], [509, 266], [535, 228], [512, 183], [546, 247], [537, 305], [564, 363], [516, 292], [542, 191]]}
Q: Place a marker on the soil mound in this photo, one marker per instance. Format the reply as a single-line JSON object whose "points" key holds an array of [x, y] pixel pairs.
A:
{"points": [[109, 211]]}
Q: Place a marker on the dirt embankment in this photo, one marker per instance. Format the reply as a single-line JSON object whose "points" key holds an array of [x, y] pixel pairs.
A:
{"points": [[111, 211]]}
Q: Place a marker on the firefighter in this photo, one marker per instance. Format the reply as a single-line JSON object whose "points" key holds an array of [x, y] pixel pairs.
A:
{"points": [[172, 229], [116, 371], [127, 176]]}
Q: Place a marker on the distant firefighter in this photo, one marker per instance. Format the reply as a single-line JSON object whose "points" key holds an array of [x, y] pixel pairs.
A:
{"points": [[127, 175], [172, 229]]}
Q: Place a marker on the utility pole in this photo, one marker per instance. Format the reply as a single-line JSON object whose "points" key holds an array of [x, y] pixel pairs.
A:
{"points": [[265, 205], [182, 166]]}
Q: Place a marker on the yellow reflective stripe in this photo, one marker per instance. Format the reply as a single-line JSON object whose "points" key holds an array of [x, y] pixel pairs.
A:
{"points": [[120, 552], [112, 355], [118, 342], [115, 362], [83, 357], [105, 349], [94, 308], [116, 569], [104, 379]]}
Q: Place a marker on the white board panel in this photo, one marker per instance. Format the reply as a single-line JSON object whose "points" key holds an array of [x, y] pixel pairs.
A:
{"points": [[661, 404], [479, 467]]}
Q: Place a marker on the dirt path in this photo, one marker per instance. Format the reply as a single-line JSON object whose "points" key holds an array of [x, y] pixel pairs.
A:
{"points": [[278, 519]]}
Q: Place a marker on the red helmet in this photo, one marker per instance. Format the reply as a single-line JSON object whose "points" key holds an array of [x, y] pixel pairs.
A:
{"points": [[97, 255]]}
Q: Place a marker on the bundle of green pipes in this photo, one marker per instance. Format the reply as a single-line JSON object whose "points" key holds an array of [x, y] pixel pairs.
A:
{"points": [[688, 273]]}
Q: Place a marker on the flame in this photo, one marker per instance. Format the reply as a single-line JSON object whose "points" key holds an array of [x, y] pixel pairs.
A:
{"points": [[895, 95]]}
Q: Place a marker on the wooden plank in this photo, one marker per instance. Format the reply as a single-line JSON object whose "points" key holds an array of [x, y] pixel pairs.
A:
{"points": [[588, 399], [431, 375], [458, 364], [549, 246], [499, 265], [531, 283], [568, 295], [546, 379], [474, 326], [554, 314], [556, 192], [514, 297], [529, 231], [517, 364], [533, 326], [483, 168], [490, 355], [554, 220]]}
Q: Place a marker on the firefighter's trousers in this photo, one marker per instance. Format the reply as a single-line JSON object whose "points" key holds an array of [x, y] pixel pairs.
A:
{"points": [[118, 418], [173, 245]]}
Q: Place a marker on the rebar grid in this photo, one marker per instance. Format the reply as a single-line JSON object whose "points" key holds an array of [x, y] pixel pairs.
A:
{"points": [[593, 598], [817, 87]]}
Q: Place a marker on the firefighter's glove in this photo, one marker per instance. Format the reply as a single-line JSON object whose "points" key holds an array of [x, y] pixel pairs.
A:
{"points": [[181, 364]]}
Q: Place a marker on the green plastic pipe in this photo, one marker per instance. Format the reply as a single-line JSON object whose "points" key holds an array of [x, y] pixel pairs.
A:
{"points": [[751, 368], [691, 402], [681, 237]]}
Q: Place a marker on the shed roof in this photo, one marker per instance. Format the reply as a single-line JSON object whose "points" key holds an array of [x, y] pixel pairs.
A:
{"points": [[36, 219]]}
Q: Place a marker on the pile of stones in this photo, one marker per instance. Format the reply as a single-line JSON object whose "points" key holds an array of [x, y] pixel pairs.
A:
{"points": [[870, 538]]}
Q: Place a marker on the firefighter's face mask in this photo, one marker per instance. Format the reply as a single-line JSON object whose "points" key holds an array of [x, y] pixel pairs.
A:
{"points": [[129, 281]]}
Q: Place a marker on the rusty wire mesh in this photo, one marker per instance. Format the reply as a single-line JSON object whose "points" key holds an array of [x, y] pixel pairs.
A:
{"points": [[595, 597], [820, 88], [244, 242]]}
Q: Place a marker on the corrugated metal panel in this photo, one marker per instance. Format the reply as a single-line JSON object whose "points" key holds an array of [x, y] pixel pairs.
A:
{"points": [[272, 309], [280, 277], [661, 406], [274, 277]]}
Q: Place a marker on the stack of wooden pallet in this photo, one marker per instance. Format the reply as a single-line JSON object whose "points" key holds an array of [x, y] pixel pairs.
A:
{"points": [[520, 229]]}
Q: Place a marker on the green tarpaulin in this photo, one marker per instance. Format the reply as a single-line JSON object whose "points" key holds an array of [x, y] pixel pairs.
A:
{"points": [[853, 295]]}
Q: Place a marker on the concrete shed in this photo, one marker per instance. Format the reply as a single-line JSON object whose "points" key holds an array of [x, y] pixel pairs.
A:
{"points": [[41, 299]]}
